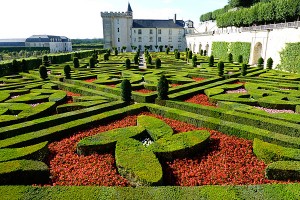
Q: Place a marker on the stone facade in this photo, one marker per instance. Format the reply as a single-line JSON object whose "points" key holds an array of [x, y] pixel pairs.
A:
{"points": [[266, 41]]}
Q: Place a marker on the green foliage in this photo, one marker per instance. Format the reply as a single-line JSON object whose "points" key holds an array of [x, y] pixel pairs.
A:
{"points": [[240, 59], [205, 53], [163, 88], [127, 63], [43, 72], [76, 62], [67, 71], [290, 58], [149, 60], [177, 54], [161, 48], [46, 61], [283, 170], [24, 65], [92, 62], [194, 60], [15, 66], [244, 69], [211, 61], [260, 62], [116, 52], [230, 58], [136, 59], [269, 63], [126, 91], [108, 51], [222, 50], [157, 63], [201, 52], [220, 68], [190, 54]]}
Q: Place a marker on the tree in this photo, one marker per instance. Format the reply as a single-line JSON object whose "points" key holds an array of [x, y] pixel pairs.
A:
{"points": [[67, 70], [127, 63], [76, 62], [163, 88], [92, 62], [15, 66], [260, 62], [157, 63], [126, 91], [240, 59], [220, 68], [269, 63], [211, 61], [136, 59], [230, 58], [24, 65], [194, 60], [43, 72], [244, 69]]}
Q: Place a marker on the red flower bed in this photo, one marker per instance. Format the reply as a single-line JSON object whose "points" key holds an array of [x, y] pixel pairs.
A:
{"points": [[198, 79], [175, 85], [90, 80], [200, 99], [145, 91], [70, 95], [111, 85], [227, 160], [238, 82]]}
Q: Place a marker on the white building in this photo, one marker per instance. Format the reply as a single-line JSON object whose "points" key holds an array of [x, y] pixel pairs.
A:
{"points": [[120, 29], [266, 40], [55, 43]]}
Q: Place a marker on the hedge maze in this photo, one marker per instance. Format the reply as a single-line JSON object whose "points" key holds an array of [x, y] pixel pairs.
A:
{"points": [[262, 107]]}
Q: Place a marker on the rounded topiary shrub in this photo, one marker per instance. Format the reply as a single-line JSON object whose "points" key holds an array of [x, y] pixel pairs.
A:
{"points": [[220, 68], [76, 62], [127, 63], [211, 61], [157, 63], [126, 91], [260, 62], [269, 63], [43, 72], [163, 88], [67, 70]]}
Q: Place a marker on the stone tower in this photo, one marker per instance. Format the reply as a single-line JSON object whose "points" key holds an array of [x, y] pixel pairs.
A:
{"points": [[117, 29]]}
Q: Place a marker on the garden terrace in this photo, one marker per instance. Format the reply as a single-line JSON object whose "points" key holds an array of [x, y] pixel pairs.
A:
{"points": [[228, 136]]}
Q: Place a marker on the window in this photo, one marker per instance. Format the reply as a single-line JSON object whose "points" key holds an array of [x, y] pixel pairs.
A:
{"points": [[150, 31], [118, 21], [118, 39], [159, 31], [179, 39], [140, 31], [159, 39], [151, 39], [118, 30], [140, 39], [170, 39], [134, 31], [170, 31], [179, 32]]}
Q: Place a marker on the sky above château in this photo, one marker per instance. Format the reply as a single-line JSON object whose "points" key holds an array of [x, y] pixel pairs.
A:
{"points": [[81, 18]]}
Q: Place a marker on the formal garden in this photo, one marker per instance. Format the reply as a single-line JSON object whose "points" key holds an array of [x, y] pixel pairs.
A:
{"points": [[92, 124]]}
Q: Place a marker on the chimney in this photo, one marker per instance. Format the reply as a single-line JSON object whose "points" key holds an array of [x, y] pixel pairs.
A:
{"points": [[174, 19]]}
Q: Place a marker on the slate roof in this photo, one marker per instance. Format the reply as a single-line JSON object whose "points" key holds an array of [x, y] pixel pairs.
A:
{"points": [[44, 38], [12, 42], [129, 8], [152, 23]]}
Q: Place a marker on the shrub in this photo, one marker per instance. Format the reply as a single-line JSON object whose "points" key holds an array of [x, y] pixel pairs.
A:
{"points": [[46, 61], [167, 50], [201, 52], [157, 63], [106, 57], [244, 69], [126, 91], [116, 52], [211, 61], [67, 70], [177, 55], [24, 65], [186, 55], [76, 62], [108, 52], [136, 59], [260, 62], [92, 62], [43, 72], [190, 54], [161, 48], [269, 63], [149, 60], [15, 66], [204, 53], [163, 88], [230, 58], [220, 68], [194, 60], [127, 63], [240, 59]]}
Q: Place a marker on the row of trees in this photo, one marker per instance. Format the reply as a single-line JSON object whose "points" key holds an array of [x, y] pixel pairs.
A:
{"points": [[6, 55]]}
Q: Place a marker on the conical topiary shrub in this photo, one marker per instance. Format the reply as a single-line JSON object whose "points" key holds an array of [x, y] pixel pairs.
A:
{"points": [[163, 88], [67, 70], [157, 63], [126, 91], [43, 72], [220, 68]]}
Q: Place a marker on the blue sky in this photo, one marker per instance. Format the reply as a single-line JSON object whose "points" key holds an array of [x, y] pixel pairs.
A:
{"points": [[81, 18]]}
